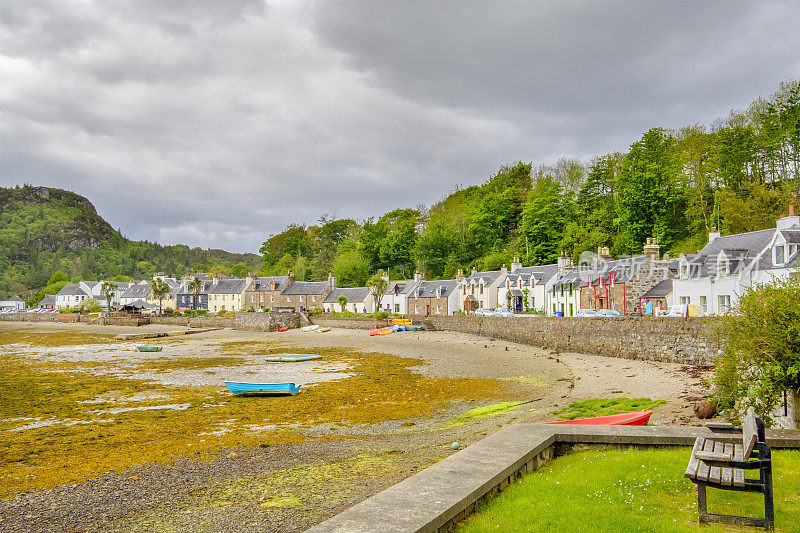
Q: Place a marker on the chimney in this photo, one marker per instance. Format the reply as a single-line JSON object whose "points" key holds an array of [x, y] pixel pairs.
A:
{"points": [[474, 270], [249, 281], [503, 269], [417, 276], [789, 220], [713, 234], [564, 262], [652, 251], [215, 279], [289, 278], [331, 280], [460, 275], [603, 255], [515, 264]]}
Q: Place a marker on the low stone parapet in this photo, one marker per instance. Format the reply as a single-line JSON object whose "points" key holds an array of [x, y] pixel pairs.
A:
{"points": [[266, 321]]}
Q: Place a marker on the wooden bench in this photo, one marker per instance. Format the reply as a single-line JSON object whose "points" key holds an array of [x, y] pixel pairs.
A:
{"points": [[721, 465]]}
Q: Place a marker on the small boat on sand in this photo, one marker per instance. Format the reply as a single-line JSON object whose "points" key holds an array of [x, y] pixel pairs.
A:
{"points": [[283, 329], [381, 331], [149, 348], [323, 330], [262, 389], [414, 328], [291, 358], [637, 418], [310, 328]]}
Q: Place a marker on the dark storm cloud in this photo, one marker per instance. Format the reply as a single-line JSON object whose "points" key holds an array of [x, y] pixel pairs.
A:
{"points": [[222, 122]]}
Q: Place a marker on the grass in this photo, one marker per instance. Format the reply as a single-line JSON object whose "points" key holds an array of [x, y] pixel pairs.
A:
{"points": [[629, 490], [605, 407], [79, 441]]}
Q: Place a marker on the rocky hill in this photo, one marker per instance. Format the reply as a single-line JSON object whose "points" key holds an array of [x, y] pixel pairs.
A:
{"points": [[43, 230]]}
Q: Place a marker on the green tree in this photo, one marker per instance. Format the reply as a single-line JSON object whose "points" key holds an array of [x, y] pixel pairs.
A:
{"points": [[160, 290], [240, 270], [196, 285], [351, 268], [545, 214], [342, 302], [378, 284], [108, 289], [762, 349]]}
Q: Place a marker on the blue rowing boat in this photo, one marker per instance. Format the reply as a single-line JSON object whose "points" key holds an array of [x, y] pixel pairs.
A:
{"points": [[262, 389], [290, 358]]}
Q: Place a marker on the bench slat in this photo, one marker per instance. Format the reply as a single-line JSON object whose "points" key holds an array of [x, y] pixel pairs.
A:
{"points": [[715, 473], [749, 433], [738, 473], [703, 469], [691, 470], [727, 472]]}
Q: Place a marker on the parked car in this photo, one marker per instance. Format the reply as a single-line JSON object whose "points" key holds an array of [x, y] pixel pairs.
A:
{"points": [[502, 312], [483, 312], [608, 313], [587, 313], [682, 310]]}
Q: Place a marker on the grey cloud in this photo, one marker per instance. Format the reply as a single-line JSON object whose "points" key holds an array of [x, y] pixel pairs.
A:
{"points": [[222, 122]]}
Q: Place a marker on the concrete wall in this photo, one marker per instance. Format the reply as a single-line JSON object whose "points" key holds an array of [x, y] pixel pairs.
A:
{"points": [[693, 342], [266, 321]]}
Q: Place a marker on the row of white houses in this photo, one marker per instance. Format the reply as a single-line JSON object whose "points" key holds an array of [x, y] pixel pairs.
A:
{"points": [[712, 279]]}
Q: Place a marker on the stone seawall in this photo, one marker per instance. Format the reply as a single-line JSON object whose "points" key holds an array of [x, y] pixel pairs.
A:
{"points": [[348, 323], [28, 317], [692, 342], [266, 321]]}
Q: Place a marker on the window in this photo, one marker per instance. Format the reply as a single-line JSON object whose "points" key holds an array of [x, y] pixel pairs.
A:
{"points": [[288, 299], [704, 304], [686, 300], [396, 308], [314, 298], [554, 308], [684, 271], [779, 255], [415, 310], [792, 249], [562, 291], [570, 290], [723, 304], [481, 288], [570, 309]]}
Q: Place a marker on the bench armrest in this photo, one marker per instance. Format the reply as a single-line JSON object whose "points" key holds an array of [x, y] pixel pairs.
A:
{"points": [[722, 427], [713, 456]]}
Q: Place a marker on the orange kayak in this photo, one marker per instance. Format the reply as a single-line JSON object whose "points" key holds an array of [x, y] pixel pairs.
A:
{"points": [[638, 418], [381, 331]]}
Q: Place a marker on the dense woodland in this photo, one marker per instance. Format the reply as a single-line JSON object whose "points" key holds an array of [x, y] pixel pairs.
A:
{"points": [[49, 235], [738, 175]]}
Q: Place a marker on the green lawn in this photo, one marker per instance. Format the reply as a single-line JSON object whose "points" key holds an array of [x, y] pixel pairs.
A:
{"points": [[629, 490], [605, 407]]}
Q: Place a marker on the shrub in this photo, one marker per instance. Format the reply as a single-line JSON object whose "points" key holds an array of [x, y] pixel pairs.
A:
{"points": [[314, 311], [762, 349]]}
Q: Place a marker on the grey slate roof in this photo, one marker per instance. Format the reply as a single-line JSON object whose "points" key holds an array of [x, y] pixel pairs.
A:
{"points": [[264, 283], [50, 299], [72, 289], [661, 290], [404, 286], [137, 291], [427, 289], [307, 287], [541, 273], [15, 298], [571, 277], [489, 276], [741, 249], [228, 286], [353, 295]]}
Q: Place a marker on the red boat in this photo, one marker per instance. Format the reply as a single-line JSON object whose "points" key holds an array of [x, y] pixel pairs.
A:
{"points": [[638, 418], [381, 331], [283, 329]]}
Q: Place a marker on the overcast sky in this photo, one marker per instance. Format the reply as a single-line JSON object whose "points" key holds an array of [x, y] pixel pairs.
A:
{"points": [[215, 123]]}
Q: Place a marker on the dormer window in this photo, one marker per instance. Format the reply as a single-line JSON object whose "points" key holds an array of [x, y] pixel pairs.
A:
{"points": [[722, 266], [684, 271], [780, 255]]}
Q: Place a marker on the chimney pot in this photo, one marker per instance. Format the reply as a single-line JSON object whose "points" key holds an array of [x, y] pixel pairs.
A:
{"points": [[791, 210]]}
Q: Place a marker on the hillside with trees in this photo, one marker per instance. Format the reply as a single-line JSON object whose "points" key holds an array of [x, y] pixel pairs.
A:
{"points": [[738, 174], [46, 232]]}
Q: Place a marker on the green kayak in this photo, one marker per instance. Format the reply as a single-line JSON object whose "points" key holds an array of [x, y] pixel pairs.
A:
{"points": [[414, 328], [149, 348]]}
